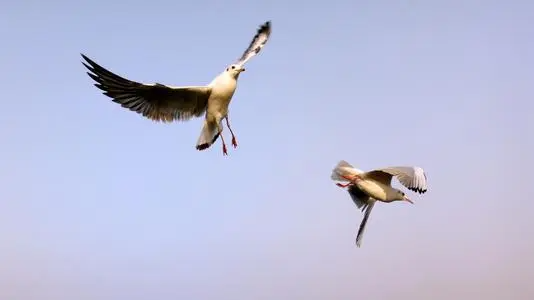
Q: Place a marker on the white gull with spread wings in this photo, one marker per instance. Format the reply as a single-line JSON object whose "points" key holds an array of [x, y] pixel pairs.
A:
{"points": [[365, 188], [164, 103]]}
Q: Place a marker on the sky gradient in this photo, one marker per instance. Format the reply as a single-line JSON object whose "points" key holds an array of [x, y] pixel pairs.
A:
{"points": [[97, 202]]}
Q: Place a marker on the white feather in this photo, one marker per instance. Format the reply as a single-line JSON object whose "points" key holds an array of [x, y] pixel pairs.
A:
{"points": [[414, 178], [259, 40], [343, 168]]}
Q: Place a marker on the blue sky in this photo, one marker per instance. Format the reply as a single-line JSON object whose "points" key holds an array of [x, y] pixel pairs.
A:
{"points": [[99, 203]]}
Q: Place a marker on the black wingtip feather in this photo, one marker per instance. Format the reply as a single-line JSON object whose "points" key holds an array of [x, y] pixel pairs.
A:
{"points": [[87, 59], [89, 64], [418, 190], [264, 28]]}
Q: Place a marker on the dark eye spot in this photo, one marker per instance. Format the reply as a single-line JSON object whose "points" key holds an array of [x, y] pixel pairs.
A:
{"points": [[233, 67]]}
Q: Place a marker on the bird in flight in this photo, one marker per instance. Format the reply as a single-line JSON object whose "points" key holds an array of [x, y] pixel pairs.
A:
{"points": [[365, 188], [165, 103]]}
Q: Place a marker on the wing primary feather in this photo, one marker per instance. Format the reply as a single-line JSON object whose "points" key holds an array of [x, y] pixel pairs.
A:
{"points": [[361, 230], [413, 178], [157, 102], [260, 39]]}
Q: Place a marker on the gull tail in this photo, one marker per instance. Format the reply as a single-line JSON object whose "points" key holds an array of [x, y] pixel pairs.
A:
{"points": [[208, 135], [343, 168]]}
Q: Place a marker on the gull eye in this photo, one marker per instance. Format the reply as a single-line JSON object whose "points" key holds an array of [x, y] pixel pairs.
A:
{"points": [[233, 67]]}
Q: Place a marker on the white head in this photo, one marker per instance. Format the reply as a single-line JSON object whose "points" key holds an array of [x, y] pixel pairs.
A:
{"points": [[400, 196], [234, 70]]}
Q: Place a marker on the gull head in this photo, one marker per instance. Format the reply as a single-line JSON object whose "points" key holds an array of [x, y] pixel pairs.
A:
{"points": [[400, 196], [234, 70]]}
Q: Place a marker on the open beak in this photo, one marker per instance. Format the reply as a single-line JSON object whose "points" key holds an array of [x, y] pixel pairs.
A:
{"points": [[408, 200]]}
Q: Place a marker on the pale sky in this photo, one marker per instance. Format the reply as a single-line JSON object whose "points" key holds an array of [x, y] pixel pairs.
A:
{"points": [[97, 202]]}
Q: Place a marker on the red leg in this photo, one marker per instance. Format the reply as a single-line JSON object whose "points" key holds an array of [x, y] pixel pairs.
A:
{"points": [[223, 145], [234, 141], [343, 185]]}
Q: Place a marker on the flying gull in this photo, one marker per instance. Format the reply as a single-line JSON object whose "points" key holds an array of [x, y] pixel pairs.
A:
{"points": [[165, 103], [365, 188]]}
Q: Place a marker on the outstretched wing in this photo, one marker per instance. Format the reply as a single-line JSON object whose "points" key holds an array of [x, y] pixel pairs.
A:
{"points": [[259, 40], [414, 178], [361, 230], [363, 202], [157, 102]]}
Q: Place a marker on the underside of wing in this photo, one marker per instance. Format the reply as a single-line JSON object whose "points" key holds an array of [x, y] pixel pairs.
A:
{"points": [[259, 40], [157, 102], [413, 178], [359, 198]]}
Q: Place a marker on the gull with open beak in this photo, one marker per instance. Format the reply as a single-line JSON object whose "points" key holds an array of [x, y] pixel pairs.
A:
{"points": [[365, 188]]}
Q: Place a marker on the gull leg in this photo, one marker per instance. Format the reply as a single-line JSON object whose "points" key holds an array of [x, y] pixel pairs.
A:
{"points": [[234, 141], [225, 152], [341, 185]]}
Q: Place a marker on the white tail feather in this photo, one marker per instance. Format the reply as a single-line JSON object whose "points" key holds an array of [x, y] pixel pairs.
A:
{"points": [[343, 168], [207, 135]]}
